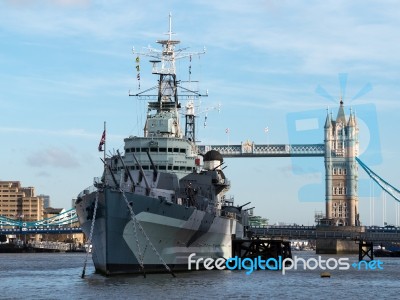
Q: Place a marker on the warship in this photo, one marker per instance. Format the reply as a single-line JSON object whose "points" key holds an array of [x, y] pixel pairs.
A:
{"points": [[162, 199]]}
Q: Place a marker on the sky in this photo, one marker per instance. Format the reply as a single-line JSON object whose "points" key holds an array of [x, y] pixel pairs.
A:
{"points": [[66, 67]]}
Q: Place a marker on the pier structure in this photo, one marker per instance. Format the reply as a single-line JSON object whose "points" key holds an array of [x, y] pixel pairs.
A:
{"points": [[332, 239], [261, 248]]}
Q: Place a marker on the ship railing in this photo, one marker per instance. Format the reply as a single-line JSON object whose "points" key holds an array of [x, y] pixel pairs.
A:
{"points": [[228, 200], [222, 181], [228, 214], [165, 71], [97, 181], [87, 191]]}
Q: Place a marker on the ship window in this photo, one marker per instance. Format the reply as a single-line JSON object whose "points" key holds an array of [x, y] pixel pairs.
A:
{"points": [[169, 167], [162, 167], [128, 150], [189, 168], [176, 168], [162, 150], [132, 167], [132, 149], [182, 168], [153, 150], [176, 150], [145, 167], [137, 149], [182, 150], [145, 149], [169, 149]]}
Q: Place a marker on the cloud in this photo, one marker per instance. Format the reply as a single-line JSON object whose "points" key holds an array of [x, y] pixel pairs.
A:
{"points": [[69, 18], [30, 3], [43, 174], [70, 2], [53, 157], [318, 37], [69, 132], [76, 133]]}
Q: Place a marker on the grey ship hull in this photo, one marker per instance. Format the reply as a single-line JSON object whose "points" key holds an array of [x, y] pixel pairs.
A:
{"points": [[175, 230]]}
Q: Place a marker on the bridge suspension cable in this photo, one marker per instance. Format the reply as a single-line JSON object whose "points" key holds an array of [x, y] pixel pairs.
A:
{"points": [[387, 187]]}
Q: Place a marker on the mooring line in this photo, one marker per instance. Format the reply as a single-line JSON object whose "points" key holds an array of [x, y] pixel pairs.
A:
{"points": [[89, 242]]}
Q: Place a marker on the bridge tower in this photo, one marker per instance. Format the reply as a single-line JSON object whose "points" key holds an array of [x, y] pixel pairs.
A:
{"points": [[341, 169]]}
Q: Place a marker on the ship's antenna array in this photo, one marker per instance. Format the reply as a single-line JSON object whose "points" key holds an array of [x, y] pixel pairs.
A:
{"points": [[163, 61], [170, 26]]}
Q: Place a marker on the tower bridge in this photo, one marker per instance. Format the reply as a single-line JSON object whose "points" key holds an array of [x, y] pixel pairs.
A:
{"points": [[340, 150]]}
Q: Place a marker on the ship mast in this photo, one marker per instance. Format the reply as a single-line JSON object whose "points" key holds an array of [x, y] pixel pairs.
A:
{"points": [[165, 103], [167, 89]]}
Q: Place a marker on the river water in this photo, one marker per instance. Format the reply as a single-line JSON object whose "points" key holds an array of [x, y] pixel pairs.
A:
{"points": [[58, 276]]}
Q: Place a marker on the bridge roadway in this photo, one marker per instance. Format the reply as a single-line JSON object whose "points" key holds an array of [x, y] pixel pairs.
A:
{"points": [[249, 149], [43, 230], [371, 234]]}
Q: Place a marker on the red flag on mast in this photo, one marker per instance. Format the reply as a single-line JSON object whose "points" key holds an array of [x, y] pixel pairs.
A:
{"points": [[102, 141]]}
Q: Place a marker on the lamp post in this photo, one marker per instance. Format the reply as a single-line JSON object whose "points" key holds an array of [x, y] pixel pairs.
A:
{"points": [[266, 130]]}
